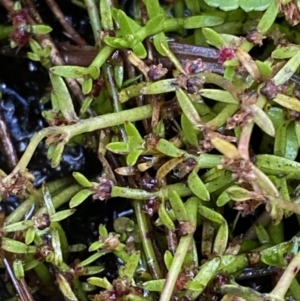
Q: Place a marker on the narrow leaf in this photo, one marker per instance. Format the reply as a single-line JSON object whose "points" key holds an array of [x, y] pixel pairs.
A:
{"points": [[197, 186], [188, 108], [79, 197]]}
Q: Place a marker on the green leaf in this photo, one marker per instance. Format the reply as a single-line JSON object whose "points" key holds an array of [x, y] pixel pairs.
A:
{"points": [[197, 186], [85, 105], [93, 71], [87, 86], [203, 20], [285, 52], [223, 4], [154, 285], [63, 97], [188, 108], [121, 148], [133, 156], [262, 234], [70, 71], [55, 240], [57, 154], [48, 199], [221, 182], [103, 231], [264, 69], [92, 270], [165, 218], [239, 194], [246, 5], [14, 246], [127, 25], [32, 56], [211, 214], [287, 102], [153, 24], [177, 206], [221, 240], [223, 199], [106, 15], [38, 29], [263, 120], [91, 259], [31, 264], [213, 38], [65, 288], [81, 179], [168, 259], [79, 197], [204, 276], [133, 135], [219, 95], [19, 226], [161, 86], [101, 282], [131, 265], [61, 215], [189, 132], [18, 269], [274, 256], [225, 147], [29, 236], [169, 149], [297, 131], [280, 140], [140, 50], [97, 245], [268, 17], [286, 72], [292, 145], [275, 165]]}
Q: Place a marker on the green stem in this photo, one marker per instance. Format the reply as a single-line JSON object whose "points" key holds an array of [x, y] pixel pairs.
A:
{"points": [[222, 117], [94, 17], [21, 211], [295, 290], [139, 194], [44, 276], [25, 207], [209, 161], [83, 126], [102, 56], [246, 292], [287, 277], [180, 254], [63, 196], [283, 204], [146, 241]]}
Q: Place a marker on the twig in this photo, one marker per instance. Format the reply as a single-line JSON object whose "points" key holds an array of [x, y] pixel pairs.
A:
{"points": [[7, 144], [19, 285], [70, 31], [45, 40]]}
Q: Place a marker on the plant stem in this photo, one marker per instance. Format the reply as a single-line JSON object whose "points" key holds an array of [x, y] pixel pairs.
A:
{"points": [[287, 277], [83, 126], [180, 254], [146, 241], [94, 17], [139, 194]]}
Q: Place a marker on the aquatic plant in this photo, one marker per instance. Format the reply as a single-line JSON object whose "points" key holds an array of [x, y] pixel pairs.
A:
{"points": [[192, 108]]}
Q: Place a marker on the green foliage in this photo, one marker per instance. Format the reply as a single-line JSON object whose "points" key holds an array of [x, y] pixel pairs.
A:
{"points": [[175, 130]]}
